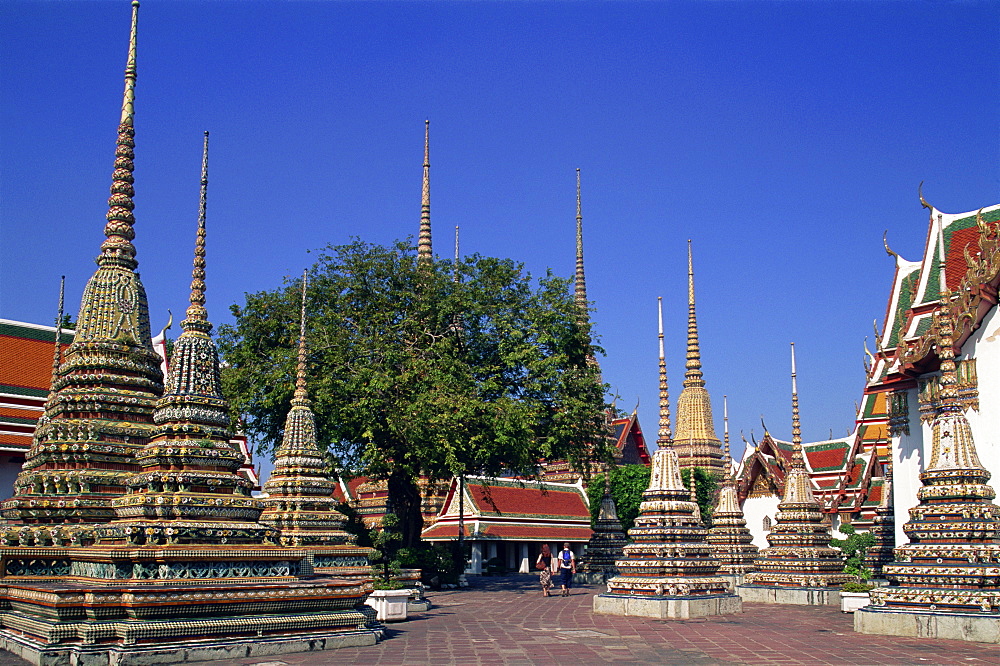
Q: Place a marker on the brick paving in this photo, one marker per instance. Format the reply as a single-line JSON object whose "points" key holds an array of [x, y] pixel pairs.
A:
{"points": [[506, 621]]}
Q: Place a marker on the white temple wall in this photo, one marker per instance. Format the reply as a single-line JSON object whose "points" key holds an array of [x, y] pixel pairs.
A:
{"points": [[907, 463], [911, 452], [755, 509], [984, 346]]}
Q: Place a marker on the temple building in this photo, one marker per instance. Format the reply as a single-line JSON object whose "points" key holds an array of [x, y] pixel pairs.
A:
{"points": [[906, 364], [870, 478], [508, 520], [132, 538], [945, 583], [695, 440], [847, 475]]}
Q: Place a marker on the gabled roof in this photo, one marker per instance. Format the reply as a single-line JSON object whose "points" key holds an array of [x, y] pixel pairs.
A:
{"points": [[629, 441], [526, 499], [515, 510], [25, 378], [972, 265]]}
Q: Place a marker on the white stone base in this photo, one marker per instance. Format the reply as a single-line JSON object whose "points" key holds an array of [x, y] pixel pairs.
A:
{"points": [[667, 608], [796, 596], [133, 655], [852, 601], [389, 605], [984, 628]]}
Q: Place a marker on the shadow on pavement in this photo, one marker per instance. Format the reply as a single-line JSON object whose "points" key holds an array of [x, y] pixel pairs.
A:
{"points": [[518, 583]]}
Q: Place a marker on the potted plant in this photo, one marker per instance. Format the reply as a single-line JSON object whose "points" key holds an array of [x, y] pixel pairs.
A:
{"points": [[389, 597], [854, 595]]}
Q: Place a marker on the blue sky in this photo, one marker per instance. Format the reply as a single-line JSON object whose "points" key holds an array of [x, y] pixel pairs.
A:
{"points": [[782, 138]]}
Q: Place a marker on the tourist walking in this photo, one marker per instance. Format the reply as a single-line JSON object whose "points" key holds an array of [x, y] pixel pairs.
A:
{"points": [[544, 565], [567, 567]]}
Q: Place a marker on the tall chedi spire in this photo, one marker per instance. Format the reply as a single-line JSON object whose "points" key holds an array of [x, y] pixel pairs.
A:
{"points": [[729, 538], [663, 437], [425, 253], [799, 555], [188, 491], [695, 427], [101, 410], [300, 499], [580, 278], [604, 548], [948, 570]]}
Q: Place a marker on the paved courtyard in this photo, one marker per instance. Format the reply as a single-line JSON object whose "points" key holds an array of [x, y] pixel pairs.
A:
{"points": [[507, 621]]}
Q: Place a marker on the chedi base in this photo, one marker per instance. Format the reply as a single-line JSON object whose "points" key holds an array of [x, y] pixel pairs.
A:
{"points": [[667, 607]]}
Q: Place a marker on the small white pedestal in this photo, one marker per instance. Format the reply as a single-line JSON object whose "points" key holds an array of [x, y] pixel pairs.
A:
{"points": [[852, 601], [389, 605]]}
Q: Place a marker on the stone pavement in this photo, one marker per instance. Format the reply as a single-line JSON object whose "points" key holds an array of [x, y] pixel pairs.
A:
{"points": [[505, 620]]}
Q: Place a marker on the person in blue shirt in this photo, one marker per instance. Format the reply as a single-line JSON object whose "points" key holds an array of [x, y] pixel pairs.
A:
{"points": [[567, 567]]}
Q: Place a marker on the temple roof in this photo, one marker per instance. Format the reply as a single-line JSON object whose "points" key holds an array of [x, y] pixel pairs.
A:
{"points": [[25, 378], [629, 440], [514, 509], [906, 345]]}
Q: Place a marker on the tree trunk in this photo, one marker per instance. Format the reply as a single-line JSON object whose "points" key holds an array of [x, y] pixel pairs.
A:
{"points": [[404, 501]]}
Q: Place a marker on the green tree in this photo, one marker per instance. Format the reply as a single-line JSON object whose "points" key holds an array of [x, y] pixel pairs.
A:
{"points": [[413, 372], [854, 548], [706, 487], [628, 482]]}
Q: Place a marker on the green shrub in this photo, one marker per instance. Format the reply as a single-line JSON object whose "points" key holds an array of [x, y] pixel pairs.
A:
{"points": [[854, 549], [856, 587]]}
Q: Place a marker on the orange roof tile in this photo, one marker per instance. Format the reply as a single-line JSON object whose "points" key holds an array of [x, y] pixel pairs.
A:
{"points": [[527, 501]]}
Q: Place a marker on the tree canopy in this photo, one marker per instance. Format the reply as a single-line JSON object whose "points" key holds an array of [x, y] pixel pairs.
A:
{"points": [[421, 368], [629, 482]]}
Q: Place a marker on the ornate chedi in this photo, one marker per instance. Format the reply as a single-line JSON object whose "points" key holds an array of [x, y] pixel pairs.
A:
{"points": [[695, 439], [188, 491], [729, 538], [945, 583], [799, 566], [182, 572], [883, 529], [668, 570], [300, 502], [604, 548], [100, 412]]}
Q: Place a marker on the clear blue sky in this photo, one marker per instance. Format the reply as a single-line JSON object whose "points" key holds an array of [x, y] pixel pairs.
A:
{"points": [[782, 137]]}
